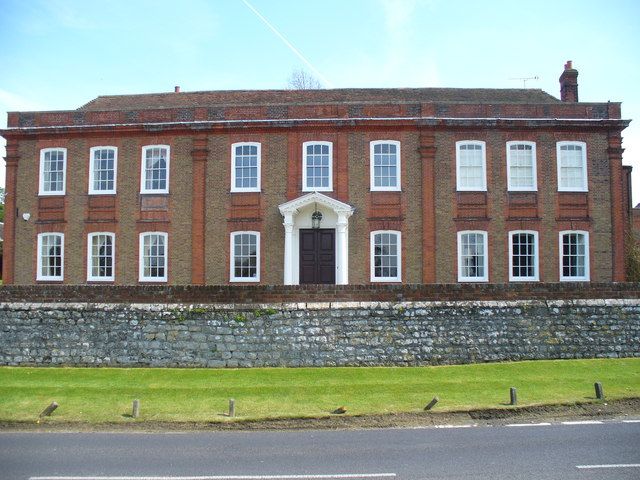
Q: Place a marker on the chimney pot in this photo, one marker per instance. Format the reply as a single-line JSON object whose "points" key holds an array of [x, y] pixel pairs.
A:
{"points": [[569, 83], [176, 89]]}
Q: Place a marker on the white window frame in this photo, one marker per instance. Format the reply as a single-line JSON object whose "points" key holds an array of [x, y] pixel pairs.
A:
{"points": [[372, 146], [41, 190], [534, 187], [304, 167], [141, 276], [585, 184], [233, 166], [232, 276], [91, 277], [143, 169], [483, 187], [587, 274], [398, 235], [536, 257], [485, 277], [39, 275], [92, 190]]}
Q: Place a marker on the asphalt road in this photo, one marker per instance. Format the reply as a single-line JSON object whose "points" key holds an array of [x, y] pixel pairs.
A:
{"points": [[609, 450]]}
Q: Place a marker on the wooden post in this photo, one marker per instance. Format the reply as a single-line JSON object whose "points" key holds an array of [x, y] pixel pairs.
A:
{"points": [[514, 395], [49, 410], [432, 403], [232, 407], [599, 392], [135, 412]]}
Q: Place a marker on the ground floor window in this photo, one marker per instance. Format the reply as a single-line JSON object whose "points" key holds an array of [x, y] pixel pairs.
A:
{"points": [[472, 256], [385, 256], [50, 256], [574, 256], [245, 257], [100, 256], [153, 257], [523, 257]]}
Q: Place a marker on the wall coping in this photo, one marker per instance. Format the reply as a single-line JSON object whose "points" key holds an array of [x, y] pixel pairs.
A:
{"points": [[181, 307], [325, 295]]}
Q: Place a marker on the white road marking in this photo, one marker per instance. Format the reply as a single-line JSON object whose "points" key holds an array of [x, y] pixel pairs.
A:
{"points": [[583, 422], [612, 465], [227, 477], [630, 421], [544, 424], [455, 426]]}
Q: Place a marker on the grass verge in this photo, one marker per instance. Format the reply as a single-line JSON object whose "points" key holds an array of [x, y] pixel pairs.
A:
{"points": [[104, 395]]}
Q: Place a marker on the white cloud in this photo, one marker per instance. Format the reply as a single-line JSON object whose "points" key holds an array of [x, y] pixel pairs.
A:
{"points": [[398, 64], [398, 15], [10, 102], [69, 17]]}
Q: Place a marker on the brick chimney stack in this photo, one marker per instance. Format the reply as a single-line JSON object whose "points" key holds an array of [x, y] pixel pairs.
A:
{"points": [[569, 83], [176, 89]]}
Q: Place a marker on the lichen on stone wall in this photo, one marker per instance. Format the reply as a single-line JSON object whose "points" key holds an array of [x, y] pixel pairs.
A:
{"points": [[316, 333]]}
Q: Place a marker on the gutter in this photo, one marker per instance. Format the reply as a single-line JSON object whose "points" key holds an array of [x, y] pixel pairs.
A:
{"points": [[485, 122]]}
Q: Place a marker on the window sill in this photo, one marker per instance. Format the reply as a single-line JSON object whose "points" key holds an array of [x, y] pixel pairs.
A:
{"points": [[379, 189], [245, 190], [310, 190]]}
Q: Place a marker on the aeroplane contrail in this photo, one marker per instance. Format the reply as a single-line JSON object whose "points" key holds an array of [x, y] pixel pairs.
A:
{"points": [[326, 82]]}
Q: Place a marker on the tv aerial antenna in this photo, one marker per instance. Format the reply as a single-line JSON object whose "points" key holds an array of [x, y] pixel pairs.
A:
{"points": [[524, 80]]}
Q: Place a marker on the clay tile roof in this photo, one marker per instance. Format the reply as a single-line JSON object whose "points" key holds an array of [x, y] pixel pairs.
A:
{"points": [[299, 97]]}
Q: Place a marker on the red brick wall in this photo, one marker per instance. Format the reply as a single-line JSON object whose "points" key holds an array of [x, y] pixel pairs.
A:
{"points": [[129, 213], [200, 212]]}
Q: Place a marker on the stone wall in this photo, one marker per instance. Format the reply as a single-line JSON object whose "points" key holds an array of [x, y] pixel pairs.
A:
{"points": [[316, 333]]}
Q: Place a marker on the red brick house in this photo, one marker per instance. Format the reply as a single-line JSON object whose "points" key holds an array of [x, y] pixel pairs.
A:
{"points": [[319, 186]]}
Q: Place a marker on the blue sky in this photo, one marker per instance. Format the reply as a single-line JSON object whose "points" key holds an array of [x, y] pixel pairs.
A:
{"points": [[59, 54]]}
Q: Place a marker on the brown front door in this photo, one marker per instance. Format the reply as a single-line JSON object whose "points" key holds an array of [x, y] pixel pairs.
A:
{"points": [[317, 256]]}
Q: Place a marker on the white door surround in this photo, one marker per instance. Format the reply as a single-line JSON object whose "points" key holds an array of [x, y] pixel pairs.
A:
{"points": [[297, 215]]}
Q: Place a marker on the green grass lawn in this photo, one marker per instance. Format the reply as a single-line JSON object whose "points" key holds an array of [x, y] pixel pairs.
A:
{"points": [[97, 395]]}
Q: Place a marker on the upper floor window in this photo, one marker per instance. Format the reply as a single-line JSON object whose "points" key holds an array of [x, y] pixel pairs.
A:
{"points": [[50, 256], [53, 165], [523, 256], [100, 256], [245, 257], [386, 256], [155, 169], [102, 170], [471, 165], [472, 256], [574, 256], [245, 168], [153, 257], [385, 165], [317, 168], [572, 166], [521, 166]]}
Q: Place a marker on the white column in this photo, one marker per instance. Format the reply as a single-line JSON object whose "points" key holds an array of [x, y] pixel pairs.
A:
{"points": [[342, 245], [288, 248]]}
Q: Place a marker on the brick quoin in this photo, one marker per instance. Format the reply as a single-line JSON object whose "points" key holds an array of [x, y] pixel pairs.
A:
{"points": [[200, 212]]}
